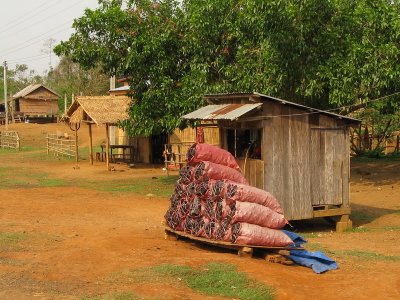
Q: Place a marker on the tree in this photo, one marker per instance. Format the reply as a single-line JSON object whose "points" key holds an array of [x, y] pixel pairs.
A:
{"points": [[325, 54]]}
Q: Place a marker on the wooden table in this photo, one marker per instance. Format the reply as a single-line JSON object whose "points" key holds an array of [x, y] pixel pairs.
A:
{"points": [[128, 157]]}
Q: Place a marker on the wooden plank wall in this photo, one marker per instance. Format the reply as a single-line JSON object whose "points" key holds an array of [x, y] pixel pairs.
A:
{"points": [[305, 167], [42, 93], [254, 171], [287, 159], [38, 107], [187, 135], [329, 153]]}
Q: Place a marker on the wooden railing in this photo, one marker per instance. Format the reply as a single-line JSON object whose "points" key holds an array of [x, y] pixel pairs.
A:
{"points": [[61, 145], [9, 140]]}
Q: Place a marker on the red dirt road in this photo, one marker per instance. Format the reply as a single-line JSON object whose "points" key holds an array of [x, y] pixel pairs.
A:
{"points": [[74, 242]]}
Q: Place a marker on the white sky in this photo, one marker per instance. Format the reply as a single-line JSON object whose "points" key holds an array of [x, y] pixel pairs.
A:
{"points": [[26, 25]]}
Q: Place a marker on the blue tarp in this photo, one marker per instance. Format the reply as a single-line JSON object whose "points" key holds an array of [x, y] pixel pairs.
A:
{"points": [[318, 261]]}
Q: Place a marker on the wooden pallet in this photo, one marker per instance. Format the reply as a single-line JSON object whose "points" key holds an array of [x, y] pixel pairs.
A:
{"points": [[270, 254]]}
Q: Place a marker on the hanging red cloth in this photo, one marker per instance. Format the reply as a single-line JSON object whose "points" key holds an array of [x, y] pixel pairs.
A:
{"points": [[200, 135]]}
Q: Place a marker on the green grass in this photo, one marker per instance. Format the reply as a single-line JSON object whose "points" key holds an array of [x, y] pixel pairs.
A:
{"points": [[360, 216], [218, 279], [368, 256], [391, 228], [162, 186], [357, 229], [114, 296], [11, 241], [215, 279]]}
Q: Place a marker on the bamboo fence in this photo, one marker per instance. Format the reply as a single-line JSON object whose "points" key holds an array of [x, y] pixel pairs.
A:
{"points": [[9, 140], [61, 145]]}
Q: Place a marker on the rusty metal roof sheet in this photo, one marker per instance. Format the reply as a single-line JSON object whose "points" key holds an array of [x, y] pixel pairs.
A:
{"points": [[212, 98], [221, 111]]}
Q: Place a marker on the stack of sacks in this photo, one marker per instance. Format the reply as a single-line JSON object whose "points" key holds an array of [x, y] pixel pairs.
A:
{"points": [[213, 200]]}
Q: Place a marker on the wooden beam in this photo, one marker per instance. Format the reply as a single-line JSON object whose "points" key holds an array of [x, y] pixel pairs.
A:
{"points": [[90, 144], [76, 143], [332, 212], [108, 147]]}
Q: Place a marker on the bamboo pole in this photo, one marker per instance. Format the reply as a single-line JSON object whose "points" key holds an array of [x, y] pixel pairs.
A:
{"points": [[90, 144], [76, 143], [108, 147]]}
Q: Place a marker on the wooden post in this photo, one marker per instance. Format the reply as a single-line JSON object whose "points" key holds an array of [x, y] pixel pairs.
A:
{"points": [[47, 145], [108, 147], [65, 104], [76, 143], [90, 144]]}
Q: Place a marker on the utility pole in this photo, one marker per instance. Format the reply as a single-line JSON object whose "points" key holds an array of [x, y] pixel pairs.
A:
{"points": [[65, 103], [5, 93]]}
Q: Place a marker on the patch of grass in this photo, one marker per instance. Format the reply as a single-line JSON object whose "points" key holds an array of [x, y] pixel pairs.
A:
{"points": [[115, 296], [318, 247], [365, 255], [219, 280], [10, 261], [10, 241], [159, 186], [51, 182], [308, 235], [358, 229], [361, 216], [391, 228]]}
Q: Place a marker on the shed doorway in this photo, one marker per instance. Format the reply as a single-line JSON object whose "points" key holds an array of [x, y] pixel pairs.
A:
{"points": [[246, 146]]}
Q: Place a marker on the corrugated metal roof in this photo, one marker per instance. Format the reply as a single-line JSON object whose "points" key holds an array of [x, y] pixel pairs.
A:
{"points": [[221, 112], [122, 88], [263, 96]]}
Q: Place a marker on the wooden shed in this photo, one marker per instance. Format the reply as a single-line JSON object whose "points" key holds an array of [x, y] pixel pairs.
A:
{"points": [[298, 153], [100, 110], [36, 100]]}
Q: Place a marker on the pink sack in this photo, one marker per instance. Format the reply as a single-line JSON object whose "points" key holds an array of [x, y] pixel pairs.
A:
{"points": [[247, 193], [207, 170], [249, 234], [205, 152], [257, 214]]}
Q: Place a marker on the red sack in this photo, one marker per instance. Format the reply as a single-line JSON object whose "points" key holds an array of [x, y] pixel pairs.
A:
{"points": [[249, 234], [207, 170], [257, 214], [205, 152], [247, 193]]}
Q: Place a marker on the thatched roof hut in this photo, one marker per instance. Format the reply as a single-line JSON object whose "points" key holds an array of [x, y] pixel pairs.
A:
{"points": [[99, 110]]}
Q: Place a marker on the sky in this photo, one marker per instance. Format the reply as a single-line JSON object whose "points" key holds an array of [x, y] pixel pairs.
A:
{"points": [[26, 26]]}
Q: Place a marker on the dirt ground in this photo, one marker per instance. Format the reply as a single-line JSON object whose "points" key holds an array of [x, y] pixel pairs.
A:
{"points": [[68, 235]]}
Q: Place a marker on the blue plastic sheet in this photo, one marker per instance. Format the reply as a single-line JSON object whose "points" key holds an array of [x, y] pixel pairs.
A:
{"points": [[317, 261]]}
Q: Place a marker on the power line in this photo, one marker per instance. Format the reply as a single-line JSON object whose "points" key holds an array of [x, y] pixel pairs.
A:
{"points": [[16, 47], [35, 41], [16, 60], [47, 17], [26, 18], [317, 111]]}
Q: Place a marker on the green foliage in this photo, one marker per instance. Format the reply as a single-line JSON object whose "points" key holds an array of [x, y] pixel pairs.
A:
{"points": [[69, 78], [17, 79], [325, 54]]}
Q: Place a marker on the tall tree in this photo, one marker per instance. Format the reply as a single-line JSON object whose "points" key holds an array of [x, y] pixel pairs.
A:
{"points": [[321, 53]]}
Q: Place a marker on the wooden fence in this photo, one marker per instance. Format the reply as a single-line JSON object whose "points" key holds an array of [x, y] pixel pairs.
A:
{"points": [[9, 140], [61, 145]]}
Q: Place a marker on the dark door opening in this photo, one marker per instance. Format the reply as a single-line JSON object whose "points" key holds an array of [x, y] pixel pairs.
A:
{"points": [[157, 147]]}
